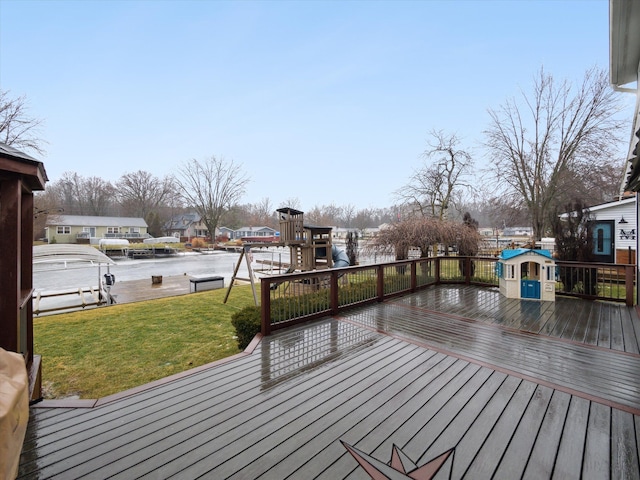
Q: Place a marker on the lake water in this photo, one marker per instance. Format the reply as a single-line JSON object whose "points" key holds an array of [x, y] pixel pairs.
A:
{"points": [[53, 277]]}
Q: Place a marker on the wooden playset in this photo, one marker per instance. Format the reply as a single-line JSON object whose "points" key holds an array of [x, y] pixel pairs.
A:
{"points": [[310, 247]]}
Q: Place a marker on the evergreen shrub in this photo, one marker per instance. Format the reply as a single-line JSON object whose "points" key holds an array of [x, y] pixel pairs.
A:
{"points": [[247, 325]]}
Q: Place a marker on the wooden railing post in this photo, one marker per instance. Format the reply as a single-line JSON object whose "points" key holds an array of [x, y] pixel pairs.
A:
{"points": [[629, 271], [380, 283], [437, 259], [333, 292], [414, 275], [467, 270], [265, 306]]}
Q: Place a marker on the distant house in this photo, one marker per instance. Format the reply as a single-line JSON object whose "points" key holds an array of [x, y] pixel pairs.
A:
{"points": [[82, 229], [516, 235], [370, 232], [227, 232], [252, 234], [186, 225]]}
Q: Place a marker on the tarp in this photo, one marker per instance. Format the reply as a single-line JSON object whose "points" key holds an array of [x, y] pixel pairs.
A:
{"points": [[14, 411]]}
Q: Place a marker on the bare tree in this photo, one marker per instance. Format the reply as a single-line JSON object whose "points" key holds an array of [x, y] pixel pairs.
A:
{"points": [[211, 187], [69, 190], [17, 127], [264, 212], [315, 216], [77, 195], [431, 189], [142, 193], [535, 144], [503, 211], [98, 196], [574, 242], [348, 214], [363, 220], [291, 202], [46, 208], [600, 183]]}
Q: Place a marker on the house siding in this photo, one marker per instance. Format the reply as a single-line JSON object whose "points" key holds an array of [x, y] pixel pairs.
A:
{"points": [[128, 227], [625, 233]]}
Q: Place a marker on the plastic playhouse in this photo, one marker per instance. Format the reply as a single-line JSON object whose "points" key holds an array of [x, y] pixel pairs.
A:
{"points": [[527, 274]]}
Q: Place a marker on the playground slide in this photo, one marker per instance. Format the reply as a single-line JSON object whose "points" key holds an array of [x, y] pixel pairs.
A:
{"points": [[340, 258]]}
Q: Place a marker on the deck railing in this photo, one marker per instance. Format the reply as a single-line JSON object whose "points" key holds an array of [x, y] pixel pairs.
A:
{"points": [[602, 281], [296, 297], [293, 298]]}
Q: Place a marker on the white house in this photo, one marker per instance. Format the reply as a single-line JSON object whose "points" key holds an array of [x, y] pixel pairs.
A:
{"points": [[86, 228], [264, 233]]}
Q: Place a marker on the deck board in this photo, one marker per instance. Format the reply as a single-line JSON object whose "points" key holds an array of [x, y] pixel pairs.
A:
{"points": [[625, 462], [512, 465], [314, 442], [597, 457], [566, 365], [493, 449], [568, 463], [448, 367]]}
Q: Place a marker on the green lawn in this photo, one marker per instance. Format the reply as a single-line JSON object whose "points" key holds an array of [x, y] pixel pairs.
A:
{"points": [[98, 352]]}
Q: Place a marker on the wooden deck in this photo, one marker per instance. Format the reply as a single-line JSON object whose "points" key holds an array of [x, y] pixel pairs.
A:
{"points": [[508, 388]]}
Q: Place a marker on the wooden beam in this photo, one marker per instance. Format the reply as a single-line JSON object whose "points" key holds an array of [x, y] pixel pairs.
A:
{"points": [[10, 262]]}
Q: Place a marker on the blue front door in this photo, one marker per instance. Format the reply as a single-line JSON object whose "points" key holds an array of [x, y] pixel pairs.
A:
{"points": [[603, 241], [530, 289]]}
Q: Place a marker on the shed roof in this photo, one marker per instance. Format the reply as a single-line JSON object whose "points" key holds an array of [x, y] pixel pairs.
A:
{"points": [[19, 163], [508, 254]]}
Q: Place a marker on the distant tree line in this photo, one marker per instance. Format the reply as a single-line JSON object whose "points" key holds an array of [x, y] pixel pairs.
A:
{"points": [[158, 199]]}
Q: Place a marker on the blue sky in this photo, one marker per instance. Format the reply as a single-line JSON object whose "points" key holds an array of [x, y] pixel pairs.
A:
{"points": [[327, 102]]}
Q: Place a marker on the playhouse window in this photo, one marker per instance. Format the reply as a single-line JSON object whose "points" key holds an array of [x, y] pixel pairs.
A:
{"points": [[511, 271]]}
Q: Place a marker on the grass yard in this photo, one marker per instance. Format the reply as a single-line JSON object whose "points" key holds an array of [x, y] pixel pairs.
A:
{"points": [[98, 352]]}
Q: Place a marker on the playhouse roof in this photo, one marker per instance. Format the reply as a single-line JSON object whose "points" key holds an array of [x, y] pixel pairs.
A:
{"points": [[508, 254]]}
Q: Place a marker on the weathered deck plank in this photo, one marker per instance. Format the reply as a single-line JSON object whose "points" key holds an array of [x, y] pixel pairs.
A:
{"points": [[625, 462], [597, 455], [512, 464], [567, 365], [493, 449], [542, 458], [568, 463]]}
